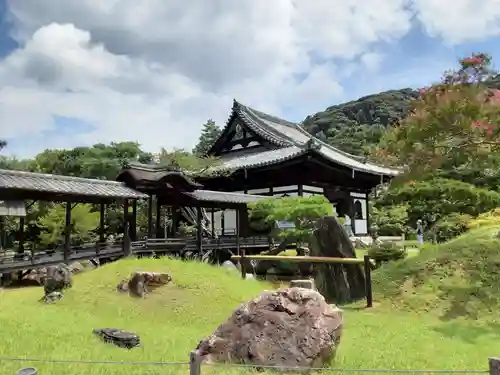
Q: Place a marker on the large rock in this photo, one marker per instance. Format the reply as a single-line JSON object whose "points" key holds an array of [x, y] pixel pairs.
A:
{"points": [[285, 328], [57, 279], [339, 283], [141, 283]]}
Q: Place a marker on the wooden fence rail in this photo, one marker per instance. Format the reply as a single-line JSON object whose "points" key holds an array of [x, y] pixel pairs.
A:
{"points": [[367, 266]]}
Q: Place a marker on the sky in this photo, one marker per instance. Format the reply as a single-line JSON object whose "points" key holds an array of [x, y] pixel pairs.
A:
{"points": [[75, 73]]}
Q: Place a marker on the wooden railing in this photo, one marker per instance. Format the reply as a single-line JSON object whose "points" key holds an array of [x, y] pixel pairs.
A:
{"points": [[13, 261], [367, 265]]}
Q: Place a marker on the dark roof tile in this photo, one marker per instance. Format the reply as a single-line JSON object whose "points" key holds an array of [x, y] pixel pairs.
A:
{"points": [[224, 197], [75, 186]]}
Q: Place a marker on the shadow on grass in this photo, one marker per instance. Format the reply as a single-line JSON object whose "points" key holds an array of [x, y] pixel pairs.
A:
{"points": [[467, 331]]}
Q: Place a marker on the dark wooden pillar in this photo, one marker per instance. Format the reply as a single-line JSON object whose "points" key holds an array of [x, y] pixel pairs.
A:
{"points": [[238, 231], [175, 221], [67, 234], [199, 231], [150, 216], [158, 219], [300, 190], [350, 205], [212, 222], [102, 221], [133, 221], [368, 219], [127, 249], [20, 235], [1, 233], [222, 222]]}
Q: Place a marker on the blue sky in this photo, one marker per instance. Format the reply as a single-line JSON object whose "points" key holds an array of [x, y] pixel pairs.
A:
{"points": [[76, 74]]}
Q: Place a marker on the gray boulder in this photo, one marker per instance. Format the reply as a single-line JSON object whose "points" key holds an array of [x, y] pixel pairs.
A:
{"points": [[141, 283], [57, 279], [287, 328]]}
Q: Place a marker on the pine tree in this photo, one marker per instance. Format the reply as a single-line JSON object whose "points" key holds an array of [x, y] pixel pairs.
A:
{"points": [[209, 134]]}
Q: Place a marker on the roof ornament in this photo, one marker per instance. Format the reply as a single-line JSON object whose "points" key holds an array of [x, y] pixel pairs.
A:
{"points": [[311, 144]]}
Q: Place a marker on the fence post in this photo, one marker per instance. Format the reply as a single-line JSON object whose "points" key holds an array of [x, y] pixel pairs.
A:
{"points": [[242, 267], [194, 363], [368, 281], [494, 364]]}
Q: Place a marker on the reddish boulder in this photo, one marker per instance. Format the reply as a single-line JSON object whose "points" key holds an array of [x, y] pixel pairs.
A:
{"points": [[287, 328]]}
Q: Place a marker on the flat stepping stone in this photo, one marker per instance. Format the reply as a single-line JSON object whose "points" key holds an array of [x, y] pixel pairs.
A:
{"points": [[119, 337]]}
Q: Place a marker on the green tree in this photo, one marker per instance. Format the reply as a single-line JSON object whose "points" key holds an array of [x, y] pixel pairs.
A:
{"points": [[83, 223], [190, 163], [99, 161], [3, 144], [434, 199], [209, 134], [452, 123], [390, 220], [302, 212]]}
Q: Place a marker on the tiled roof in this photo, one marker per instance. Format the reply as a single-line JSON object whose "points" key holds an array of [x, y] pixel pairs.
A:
{"points": [[262, 158], [223, 197], [55, 184], [293, 140], [155, 173]]}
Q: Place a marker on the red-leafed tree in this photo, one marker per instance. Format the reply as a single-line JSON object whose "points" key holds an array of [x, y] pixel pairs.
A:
{"points": [[453, 122]]}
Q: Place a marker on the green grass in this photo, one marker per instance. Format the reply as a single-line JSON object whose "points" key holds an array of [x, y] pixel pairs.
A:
{"points": [[173, 319], [457, 278]]}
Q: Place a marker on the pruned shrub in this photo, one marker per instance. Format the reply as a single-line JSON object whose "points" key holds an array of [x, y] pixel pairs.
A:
{"points": [[386, 252], [451, 226]]}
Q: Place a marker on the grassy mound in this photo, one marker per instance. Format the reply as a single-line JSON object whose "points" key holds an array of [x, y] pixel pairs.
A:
{"points": [[457, 278], [173, 319]]}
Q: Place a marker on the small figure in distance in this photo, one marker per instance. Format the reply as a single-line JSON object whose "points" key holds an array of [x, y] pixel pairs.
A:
{"points": [[420, 231]]}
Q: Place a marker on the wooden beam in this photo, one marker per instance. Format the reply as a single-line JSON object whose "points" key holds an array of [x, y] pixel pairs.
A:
{"points": [[302, 259], [150, 216], [133, 223], [238, 232], [20, 248], [67, 234], [212, 222], [102, 223], [127, 248], [158, 232], [199, 232]]}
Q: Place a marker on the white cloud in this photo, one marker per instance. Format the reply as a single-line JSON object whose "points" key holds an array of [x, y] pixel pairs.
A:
{"points": [[155, 70], [372, 60], [458, 21]]}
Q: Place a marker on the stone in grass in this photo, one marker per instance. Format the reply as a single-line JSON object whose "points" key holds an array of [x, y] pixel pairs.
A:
{"points": [[52, 297], [58, 278], [119, 337], [27, 371], [141, 283]]}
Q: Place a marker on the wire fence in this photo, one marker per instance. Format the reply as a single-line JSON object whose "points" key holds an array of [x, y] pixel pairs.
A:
{"points": [[195, 366]]}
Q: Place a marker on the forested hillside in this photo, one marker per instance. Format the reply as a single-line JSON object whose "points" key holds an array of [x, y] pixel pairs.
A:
{"points": [[354, 125], [358, 125]]}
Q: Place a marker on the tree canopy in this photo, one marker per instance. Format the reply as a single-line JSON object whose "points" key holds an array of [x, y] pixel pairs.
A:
{"points": [[452, 123], [209, 134]]}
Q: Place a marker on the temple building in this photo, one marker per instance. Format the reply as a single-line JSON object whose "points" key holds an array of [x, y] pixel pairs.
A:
{"points": [[271, 156]]}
